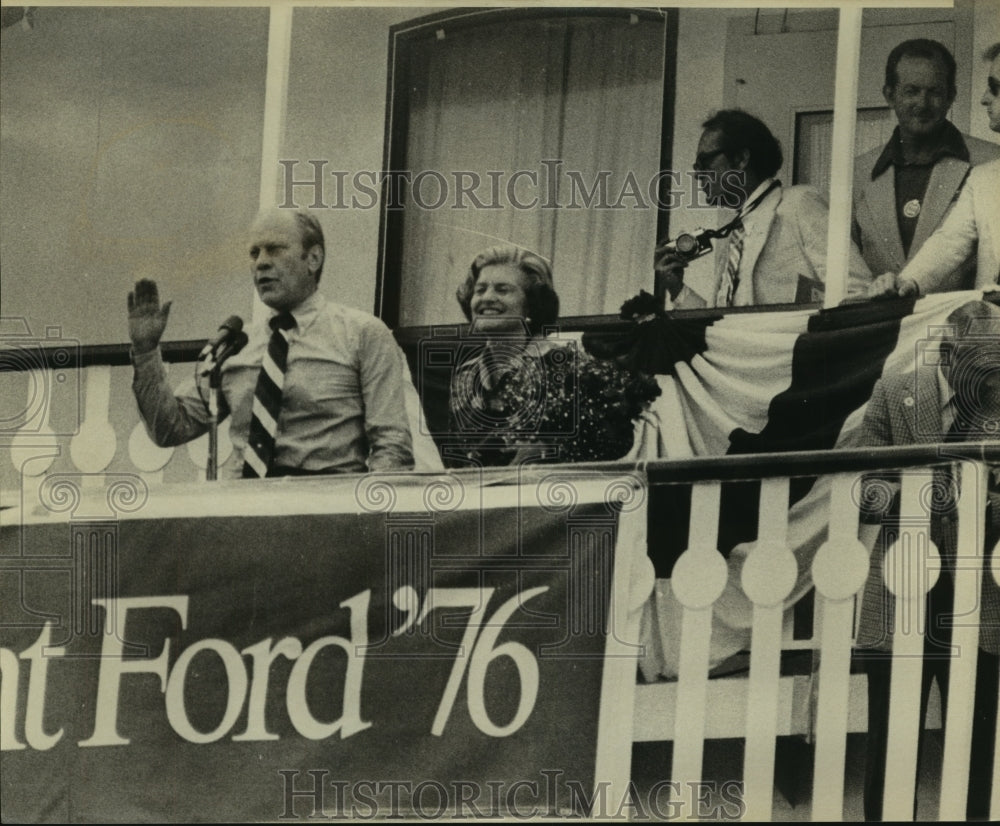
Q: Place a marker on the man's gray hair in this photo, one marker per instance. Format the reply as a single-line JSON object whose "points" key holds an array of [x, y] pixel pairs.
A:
{"points": [[311, 234]]}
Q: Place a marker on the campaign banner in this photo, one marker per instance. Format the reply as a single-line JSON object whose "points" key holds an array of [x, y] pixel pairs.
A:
{"points": [[273, 651]]}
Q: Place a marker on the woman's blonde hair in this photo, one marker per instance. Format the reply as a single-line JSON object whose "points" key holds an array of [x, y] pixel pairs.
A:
{"points": [[541, 299]]}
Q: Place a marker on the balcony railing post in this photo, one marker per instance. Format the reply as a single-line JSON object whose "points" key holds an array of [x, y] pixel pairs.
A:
{"points": [[965, 643]]}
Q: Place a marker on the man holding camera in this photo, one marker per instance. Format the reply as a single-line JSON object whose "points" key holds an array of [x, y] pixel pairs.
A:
{"points": [[774, 250]]}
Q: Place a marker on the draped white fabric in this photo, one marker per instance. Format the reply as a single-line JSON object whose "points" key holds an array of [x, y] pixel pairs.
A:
{"points": [[748, 361], [546, 98]]}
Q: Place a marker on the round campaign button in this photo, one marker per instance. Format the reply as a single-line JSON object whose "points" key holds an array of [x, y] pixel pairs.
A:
{"points": [[911, 209]]}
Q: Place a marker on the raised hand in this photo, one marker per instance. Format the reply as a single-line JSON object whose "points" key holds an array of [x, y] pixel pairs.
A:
{"points": [[146, 318]]}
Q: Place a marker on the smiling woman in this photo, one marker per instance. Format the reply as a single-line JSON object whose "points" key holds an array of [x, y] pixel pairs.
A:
{"points": [[518, 395], [509, 299], [513, 283]]}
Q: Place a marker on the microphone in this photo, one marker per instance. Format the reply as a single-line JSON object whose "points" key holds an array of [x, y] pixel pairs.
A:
{"points": [[230, 327], [231, 346]]}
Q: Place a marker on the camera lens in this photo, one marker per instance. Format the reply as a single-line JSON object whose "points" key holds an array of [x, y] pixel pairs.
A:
{"points": [[686, 244]]}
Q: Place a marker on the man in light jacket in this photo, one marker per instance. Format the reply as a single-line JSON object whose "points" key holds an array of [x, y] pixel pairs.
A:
{"points": [[972, 228]]}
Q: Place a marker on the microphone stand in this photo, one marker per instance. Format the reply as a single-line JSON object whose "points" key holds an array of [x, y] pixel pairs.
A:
{"points": [[214, 383], [213, 369]]}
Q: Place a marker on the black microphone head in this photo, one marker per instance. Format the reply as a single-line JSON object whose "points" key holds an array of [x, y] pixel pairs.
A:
{"points": [[238, 343], [228, 328], [230, 347]]}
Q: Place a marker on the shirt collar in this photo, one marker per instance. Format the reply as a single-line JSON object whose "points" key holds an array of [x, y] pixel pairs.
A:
{"points": [[306, 312], [749, 205], [751, 202], [950, 142]]}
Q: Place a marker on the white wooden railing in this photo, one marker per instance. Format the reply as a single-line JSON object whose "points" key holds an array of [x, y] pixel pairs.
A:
{"points": [[826, 705]]}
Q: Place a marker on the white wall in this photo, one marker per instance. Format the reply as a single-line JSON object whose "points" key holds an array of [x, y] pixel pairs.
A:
{"points": [[130, 148], [336, 112]]}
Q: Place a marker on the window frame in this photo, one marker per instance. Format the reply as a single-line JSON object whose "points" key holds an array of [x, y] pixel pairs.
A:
{"points": [[797, 131], [402, 36]]}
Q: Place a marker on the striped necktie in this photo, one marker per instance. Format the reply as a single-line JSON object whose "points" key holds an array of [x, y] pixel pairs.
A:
{"points": [[259, 453], [731, 277]]}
